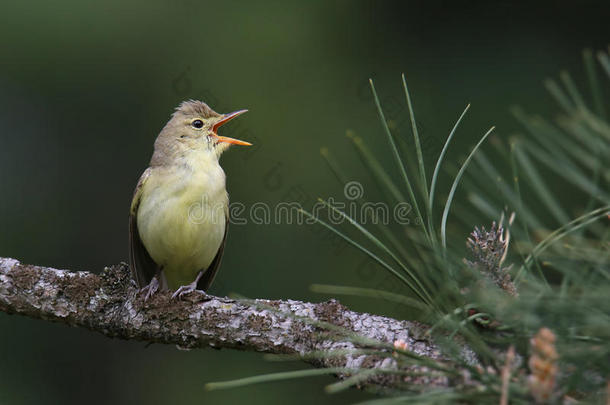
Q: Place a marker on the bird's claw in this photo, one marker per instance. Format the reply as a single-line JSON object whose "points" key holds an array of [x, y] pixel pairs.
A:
{"points": [[150, 289], [185, 289]]}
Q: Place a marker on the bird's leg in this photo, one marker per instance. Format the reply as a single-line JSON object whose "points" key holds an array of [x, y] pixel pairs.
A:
{"points": [[185, 289], [151, 288]]}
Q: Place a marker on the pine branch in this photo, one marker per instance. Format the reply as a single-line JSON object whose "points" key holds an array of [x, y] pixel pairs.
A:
{"points": [[110, 304]]}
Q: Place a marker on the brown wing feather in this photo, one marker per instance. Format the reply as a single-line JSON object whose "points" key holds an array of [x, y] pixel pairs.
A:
{"points": [[206, 279], [143, 267]]}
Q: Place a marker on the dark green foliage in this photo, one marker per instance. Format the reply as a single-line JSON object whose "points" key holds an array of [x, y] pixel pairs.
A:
{"points": [[547, 269]]}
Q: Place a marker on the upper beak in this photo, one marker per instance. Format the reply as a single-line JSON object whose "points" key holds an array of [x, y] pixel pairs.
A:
{"points": [[226, 118]]}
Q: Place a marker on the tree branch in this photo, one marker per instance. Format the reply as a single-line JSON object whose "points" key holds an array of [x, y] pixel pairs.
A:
{"points": [[109, 303]]}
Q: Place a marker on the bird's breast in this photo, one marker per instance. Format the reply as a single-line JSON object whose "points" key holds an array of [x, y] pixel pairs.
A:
{"points": [[182, 218]]}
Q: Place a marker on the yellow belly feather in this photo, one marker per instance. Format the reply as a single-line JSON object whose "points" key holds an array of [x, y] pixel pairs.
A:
{"points": [[182, 218]]}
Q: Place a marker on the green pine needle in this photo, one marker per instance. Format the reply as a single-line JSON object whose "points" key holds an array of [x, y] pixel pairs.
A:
{"points": [[456, 182], [287, 375], [439, 162], [400, 163]]}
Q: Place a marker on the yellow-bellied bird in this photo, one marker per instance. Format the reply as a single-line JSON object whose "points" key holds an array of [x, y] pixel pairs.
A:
{"points": [[179, 213]]}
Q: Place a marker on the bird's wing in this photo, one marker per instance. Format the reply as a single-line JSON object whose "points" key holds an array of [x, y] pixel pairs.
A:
{"points": [[206, 279], [143, 267]]}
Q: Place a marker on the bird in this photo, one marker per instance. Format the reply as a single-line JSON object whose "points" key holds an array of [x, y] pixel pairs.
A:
{"points": [[179, 213]]}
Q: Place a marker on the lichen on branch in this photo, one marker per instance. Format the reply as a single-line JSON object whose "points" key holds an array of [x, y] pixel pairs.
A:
{"points": [[110, 304]]}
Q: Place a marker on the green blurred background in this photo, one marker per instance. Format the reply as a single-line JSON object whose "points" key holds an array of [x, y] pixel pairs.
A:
{"points": [[85, 88]]}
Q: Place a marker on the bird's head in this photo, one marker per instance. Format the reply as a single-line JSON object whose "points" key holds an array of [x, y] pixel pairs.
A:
{"points": [[194, 127]]}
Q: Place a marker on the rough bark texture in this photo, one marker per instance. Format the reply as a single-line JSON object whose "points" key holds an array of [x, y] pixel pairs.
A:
{"points": [[109, 303]]}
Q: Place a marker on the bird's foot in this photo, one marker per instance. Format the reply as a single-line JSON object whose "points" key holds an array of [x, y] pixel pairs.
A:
{"points": [[185, 289], [150, 289]]}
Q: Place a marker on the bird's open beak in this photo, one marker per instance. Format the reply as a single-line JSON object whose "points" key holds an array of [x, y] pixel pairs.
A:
{"points": [[226, 118]]}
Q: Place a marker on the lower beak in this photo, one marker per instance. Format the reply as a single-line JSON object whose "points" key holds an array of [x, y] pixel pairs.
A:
{"points": [[226, 118]]}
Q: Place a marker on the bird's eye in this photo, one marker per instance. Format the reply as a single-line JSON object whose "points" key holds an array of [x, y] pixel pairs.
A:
{"points": [[197, 124]]}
